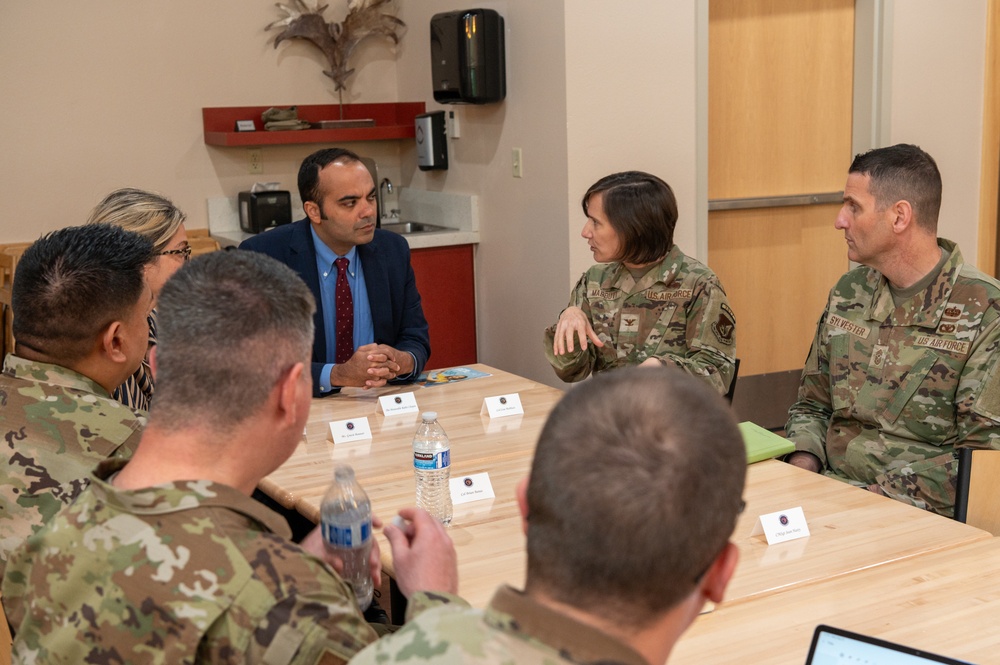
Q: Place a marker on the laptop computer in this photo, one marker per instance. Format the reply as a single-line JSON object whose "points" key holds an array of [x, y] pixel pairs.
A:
{"points": [[835, 646]]}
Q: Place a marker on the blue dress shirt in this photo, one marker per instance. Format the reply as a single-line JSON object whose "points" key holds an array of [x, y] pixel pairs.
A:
{"points": [[364, 329]]}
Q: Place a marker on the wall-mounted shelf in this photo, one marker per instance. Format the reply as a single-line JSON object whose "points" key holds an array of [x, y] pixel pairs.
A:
{"points": [[392, 121]]}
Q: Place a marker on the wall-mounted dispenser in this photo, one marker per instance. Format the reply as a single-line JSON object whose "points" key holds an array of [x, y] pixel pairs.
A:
{"points": [[432, 141], [467, 57]]}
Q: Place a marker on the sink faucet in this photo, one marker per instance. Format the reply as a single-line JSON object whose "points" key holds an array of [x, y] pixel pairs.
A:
{"points": [[386, 186]]}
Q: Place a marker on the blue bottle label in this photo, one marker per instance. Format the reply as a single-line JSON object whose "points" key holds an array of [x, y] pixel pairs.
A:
{"points": [[431, 461], [350, 536]]}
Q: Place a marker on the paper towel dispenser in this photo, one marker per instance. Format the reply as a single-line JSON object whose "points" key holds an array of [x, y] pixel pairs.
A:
{"points": [[432, 141], [467, 57]]}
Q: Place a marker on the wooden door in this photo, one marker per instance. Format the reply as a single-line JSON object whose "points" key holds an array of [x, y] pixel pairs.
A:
{"points": [[780, 105]]}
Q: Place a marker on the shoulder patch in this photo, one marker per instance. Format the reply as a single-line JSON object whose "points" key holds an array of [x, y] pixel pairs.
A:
{"points": [[725, 326]]}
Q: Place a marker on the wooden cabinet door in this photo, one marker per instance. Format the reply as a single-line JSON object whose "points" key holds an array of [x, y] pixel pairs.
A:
{"points": [[446, 281]]}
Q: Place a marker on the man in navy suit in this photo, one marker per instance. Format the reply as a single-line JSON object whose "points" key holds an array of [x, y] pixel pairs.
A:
{"points": [[390, 339]]}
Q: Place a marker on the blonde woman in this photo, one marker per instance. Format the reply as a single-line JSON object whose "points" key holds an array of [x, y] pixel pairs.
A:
{"points": [[162, 223]]}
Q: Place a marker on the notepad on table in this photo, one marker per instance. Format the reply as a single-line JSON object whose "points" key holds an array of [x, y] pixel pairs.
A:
{"points": [[762, 444]]}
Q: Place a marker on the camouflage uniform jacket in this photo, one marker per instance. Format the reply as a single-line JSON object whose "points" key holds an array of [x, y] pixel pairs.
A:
{"points": [[888, 392], [184, 572], [513, 629], [677, 311], [57, 425]]}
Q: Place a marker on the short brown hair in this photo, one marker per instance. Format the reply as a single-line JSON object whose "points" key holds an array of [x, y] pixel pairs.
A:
{"points": [[642, 210], [635, 489], [903, 172]]}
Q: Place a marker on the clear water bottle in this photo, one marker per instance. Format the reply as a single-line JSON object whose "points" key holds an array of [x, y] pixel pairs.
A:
{"points": [[346, 522], [432, 467]]}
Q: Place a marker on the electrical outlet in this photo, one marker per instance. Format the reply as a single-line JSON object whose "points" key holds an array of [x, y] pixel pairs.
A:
{"points": [[517, 160], [255, 160]]}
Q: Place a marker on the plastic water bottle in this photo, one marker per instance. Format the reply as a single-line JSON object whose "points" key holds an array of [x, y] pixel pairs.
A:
{"points": [[346, 521], [432, 467]]}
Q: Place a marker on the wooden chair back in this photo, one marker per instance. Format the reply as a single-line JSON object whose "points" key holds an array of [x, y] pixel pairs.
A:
{"points": [[5, 638], [977, 500], [201, 242], [7, 265]]}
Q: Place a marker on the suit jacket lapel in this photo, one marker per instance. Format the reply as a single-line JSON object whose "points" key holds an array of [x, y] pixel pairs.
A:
{"points": [[377, 283], [302, 259]]}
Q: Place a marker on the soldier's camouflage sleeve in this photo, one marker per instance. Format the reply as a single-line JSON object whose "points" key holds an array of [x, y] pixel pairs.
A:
{"points": [[56, 426], [809, 417], [579, 363], [422, 601], [178, 575], [710, 338]]}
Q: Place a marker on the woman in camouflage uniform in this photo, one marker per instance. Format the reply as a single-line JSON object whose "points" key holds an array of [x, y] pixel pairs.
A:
{"points": [[645, 302]]}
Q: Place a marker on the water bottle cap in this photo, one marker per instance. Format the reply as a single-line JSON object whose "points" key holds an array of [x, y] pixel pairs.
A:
{"points": [[343, 472], [429, 416]]}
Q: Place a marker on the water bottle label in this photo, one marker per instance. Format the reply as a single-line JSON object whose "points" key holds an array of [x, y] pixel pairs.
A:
{"points": [[350, 535], [430, 461]]}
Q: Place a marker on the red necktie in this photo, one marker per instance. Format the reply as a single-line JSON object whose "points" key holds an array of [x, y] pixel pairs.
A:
{"points": [[345, 314]]}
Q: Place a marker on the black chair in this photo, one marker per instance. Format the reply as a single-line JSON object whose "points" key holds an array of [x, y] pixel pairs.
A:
{"points": [[732, 385]]}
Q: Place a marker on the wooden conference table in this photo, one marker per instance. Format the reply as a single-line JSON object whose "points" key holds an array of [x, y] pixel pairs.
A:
{"points": [[945, 601], [486, 533], [851, 530]]}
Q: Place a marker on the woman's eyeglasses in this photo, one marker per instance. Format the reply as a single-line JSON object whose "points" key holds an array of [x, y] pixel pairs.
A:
{"points": [[183, 251]]}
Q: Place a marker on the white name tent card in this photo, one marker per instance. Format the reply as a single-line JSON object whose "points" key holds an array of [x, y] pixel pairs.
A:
{"points": [[781, 526], [397, 405], [502, 405], [352, 429], [471, 488]]}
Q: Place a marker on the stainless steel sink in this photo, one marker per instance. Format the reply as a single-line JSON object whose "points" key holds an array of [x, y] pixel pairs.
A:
{"points": [[409, 228]]}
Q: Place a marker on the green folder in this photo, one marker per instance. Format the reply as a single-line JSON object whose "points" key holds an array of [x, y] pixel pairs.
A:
{"points": [[762, 444]]}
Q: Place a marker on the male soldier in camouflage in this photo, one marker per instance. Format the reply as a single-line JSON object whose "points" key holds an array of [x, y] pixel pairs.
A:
{"points": [[79, 295], [645, 303], [904, 366], [624, 547], [166, 559]]}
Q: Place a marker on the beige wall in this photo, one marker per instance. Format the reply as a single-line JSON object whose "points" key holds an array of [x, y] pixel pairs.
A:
{"points": [[936, 99], [104, 94], [522, 260], [631, 96]]}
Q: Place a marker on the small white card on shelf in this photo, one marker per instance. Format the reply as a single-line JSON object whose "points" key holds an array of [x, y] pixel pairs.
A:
{"points": [[471, 488], [781, 526], [502, 405], [245, 126], [353, 429], [397, 405]]}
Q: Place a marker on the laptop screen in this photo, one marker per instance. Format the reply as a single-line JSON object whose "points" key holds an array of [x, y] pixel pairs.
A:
{"points": [[834, 646]]}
